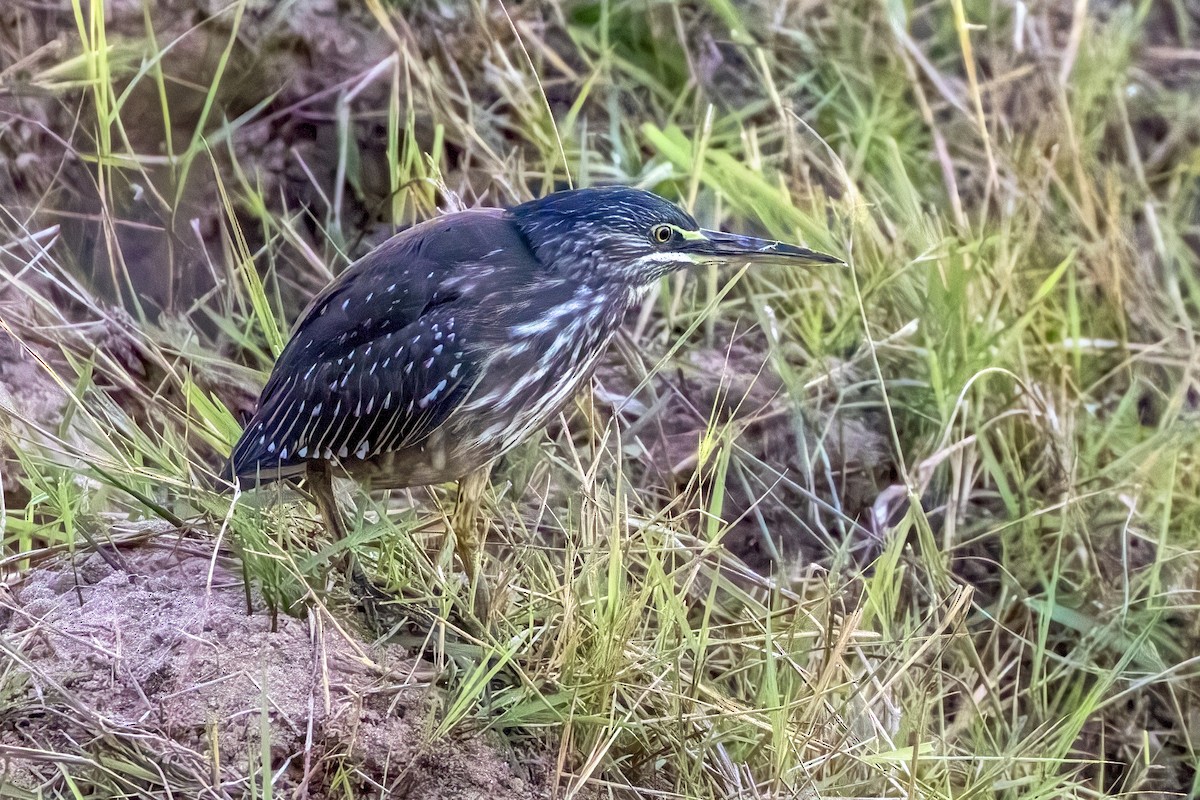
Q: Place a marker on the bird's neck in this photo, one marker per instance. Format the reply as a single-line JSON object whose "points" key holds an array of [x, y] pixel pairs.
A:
{"points": [[636, 295]]}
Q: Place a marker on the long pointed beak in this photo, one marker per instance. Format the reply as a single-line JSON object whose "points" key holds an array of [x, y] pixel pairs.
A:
{"points": [[731, 246]]}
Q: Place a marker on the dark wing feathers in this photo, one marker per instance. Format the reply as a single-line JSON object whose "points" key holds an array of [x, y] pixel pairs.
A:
{"points": [[380, 358]]}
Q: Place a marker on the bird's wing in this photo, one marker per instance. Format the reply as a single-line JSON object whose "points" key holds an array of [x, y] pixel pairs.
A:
{"points": [[394, 284], [383, 355]]}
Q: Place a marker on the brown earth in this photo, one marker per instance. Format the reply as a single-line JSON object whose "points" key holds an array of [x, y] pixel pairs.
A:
{"points": [[154, 644]]}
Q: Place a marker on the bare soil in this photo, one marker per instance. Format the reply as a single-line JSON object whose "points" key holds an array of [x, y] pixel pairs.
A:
{"points": [[155, 644]]}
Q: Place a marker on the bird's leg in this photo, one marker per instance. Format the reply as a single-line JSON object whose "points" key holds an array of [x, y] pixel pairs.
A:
{"points": [[469, 533], [320, 483]]}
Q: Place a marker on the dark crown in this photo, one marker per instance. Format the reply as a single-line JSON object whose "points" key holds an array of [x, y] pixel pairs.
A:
{"points": [[608, 208]]}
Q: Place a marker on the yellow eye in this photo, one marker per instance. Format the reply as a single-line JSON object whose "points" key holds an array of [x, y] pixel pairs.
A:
{"points": [[662, 233]]}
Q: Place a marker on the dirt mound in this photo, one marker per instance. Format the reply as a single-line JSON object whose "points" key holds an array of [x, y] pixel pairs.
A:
{"points": [[154, 648], [776, 515]]}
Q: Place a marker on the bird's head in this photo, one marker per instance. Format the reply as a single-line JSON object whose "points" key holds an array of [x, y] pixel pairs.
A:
{"points": [[616, 233]]}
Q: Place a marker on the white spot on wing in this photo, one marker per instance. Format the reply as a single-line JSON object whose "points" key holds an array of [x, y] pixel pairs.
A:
{"points": [[429, 398]]}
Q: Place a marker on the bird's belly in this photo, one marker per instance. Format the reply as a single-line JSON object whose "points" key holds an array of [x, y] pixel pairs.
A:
{"points": [[502, 416], [438, 459]]}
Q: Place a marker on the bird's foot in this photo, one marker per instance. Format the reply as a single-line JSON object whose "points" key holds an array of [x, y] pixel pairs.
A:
{"points": [[387, 613]]}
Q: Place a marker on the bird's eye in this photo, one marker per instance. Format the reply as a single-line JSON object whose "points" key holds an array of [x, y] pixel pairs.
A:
{"points": [[662, 233]]}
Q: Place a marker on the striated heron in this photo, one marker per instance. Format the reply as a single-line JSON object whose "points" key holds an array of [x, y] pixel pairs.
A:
{"points": [[443, 348]]}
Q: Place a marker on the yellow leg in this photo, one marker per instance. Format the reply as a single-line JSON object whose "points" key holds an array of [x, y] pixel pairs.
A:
{"points": [[469, 532]]}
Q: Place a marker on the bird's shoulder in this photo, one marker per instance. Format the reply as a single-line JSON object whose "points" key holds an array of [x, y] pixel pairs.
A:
{"points": [[429, 264]]}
